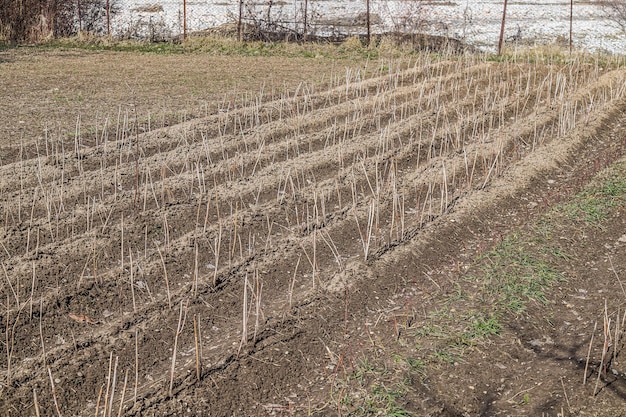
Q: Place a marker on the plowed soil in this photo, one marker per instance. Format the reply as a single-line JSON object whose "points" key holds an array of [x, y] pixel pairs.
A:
{"points": [[285, 236]]}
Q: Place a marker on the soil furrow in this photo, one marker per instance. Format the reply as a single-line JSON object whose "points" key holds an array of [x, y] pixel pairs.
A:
{"points": [[257, 224]]}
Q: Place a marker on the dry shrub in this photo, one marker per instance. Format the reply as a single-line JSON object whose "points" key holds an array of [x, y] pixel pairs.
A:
{"points": [[17, 18], [615, 11], [351, 43], [37, 20]]}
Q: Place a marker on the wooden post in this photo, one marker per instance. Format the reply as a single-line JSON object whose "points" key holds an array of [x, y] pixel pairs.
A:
{"points": [[502, 29], [184, 19], [108, 18], [306, 6], [80, 17], [369, 30], [239, 34], [269, 15], [571, 17]]}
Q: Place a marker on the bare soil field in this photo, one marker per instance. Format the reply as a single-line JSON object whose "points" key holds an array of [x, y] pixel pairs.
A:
{"points": [[200, 235]]}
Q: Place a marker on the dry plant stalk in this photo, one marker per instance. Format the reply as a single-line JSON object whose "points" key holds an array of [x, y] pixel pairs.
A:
{"points": [[179, 329], [167, 282], [257, 297], [119, 412], [113, 386], [196, 271], [216, 248], [132, 279], [196, 335], [605, 347], [244, 330], [108, 383], [595, 325], [136, 156], [293, 282], [54, 392], [618, 279], [36, 403], [136, 366]]}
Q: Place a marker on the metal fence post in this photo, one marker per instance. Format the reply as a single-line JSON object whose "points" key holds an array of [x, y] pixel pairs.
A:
{"points": [[502, 29], [571, 17]]}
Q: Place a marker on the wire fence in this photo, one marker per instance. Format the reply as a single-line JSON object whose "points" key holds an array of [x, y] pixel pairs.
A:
{"points": [[479, 23], [298, 20]]}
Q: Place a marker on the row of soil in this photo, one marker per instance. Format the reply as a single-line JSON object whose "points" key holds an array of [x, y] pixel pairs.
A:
{"points": [[292, 221]]}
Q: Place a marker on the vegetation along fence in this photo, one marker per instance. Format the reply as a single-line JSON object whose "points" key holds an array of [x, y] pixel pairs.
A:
{"points": [[34, 20], [300, 20]]}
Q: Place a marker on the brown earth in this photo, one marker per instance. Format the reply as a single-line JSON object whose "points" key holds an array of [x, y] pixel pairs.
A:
{"points": [[436, 236]]}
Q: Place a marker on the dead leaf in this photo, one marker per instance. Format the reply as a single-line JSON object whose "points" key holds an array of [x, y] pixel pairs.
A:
{"points": [[81, 318]]}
